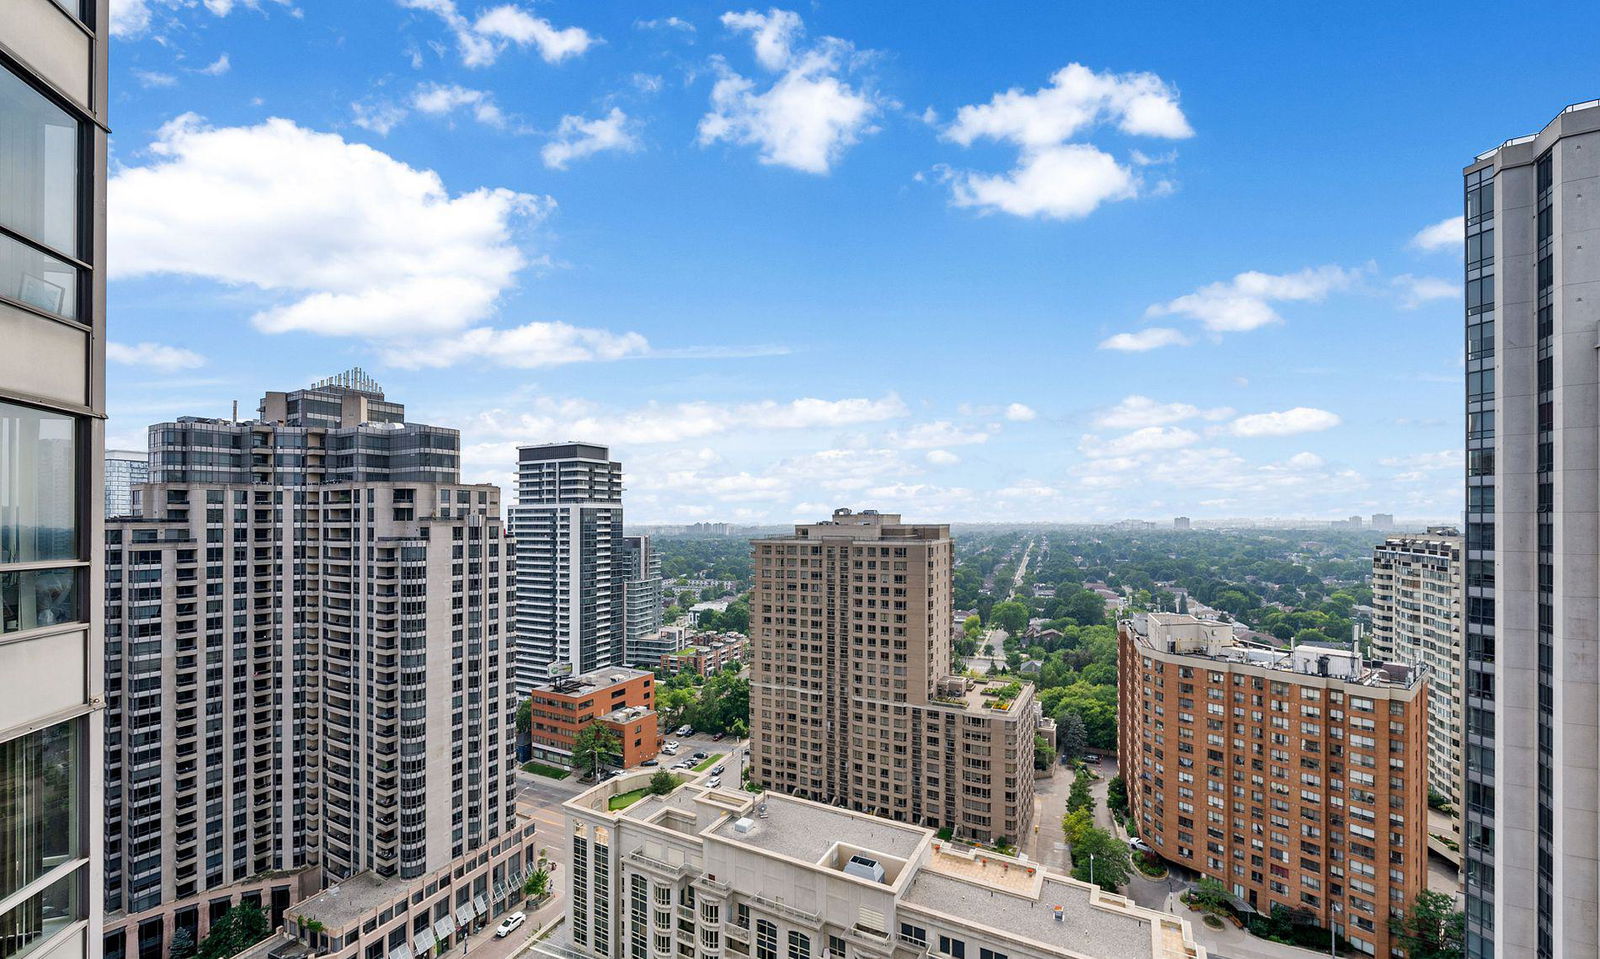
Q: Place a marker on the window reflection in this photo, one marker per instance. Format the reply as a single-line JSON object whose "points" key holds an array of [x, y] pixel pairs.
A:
{"points": [[38, 482]]}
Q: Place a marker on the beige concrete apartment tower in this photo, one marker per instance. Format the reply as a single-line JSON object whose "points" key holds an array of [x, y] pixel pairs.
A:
{"points": [[52, 407], [852, 701]]}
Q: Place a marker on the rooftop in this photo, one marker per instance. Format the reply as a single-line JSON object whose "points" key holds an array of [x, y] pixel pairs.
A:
{"points": [[598, 681], [1184, 635], [807, 831], [343, 904], [982, 696]]}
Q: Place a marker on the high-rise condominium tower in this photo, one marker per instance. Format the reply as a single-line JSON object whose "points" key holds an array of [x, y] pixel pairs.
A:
{"points": [[642, 598], [125, 469], [571, 594], [52, 403], [1533, 545], [308, 663], [1417, 613], [851, 697]]}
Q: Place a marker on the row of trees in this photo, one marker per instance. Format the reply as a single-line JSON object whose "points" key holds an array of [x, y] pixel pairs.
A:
{"points": [[719, 703], [1097, 855]]}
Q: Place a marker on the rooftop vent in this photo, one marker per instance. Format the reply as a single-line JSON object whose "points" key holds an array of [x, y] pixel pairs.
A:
{"points": [[743, 824], [864, 868]]}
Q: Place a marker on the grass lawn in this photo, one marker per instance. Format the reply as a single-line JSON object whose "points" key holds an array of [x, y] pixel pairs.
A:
{"points": [[554, 772], [624, 800], [708, 762]]}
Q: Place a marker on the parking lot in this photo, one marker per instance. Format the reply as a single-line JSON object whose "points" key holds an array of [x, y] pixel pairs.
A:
{"points": [[733, 752]]}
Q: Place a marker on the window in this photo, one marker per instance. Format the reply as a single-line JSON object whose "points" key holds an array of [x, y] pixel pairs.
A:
{"points": [[39, 776], [32, 922], [766, 940], [990, 954], [39, 187], [799, 945], [954, 948]]}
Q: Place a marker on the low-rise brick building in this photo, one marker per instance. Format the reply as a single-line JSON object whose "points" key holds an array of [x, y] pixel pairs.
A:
{"points": [[1297, 778], [707, 653], [623, 699]]}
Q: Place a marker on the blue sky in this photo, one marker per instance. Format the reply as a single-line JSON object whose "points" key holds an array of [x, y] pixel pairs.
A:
{"points": [[962, 261]]}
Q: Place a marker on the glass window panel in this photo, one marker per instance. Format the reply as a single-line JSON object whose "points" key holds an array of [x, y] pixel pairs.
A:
{"points": [[37, 279], [32, 923], [39, 814], [38, 597], [38, 166], [38, 485]]}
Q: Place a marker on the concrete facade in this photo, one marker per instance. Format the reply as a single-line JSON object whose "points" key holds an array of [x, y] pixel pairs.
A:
{"points": [[851, 697], [53, 130], [1297, 779], [730, 875], [1533, 542], [624, 700], [571, 580]]}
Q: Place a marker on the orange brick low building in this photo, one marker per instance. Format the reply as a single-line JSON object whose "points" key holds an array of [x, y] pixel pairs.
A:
{"points": [[623, 699], [708, 653], [1298, 779]]}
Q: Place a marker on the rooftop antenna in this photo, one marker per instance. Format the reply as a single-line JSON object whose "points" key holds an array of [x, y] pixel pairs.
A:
{"points": [[236, 411]]}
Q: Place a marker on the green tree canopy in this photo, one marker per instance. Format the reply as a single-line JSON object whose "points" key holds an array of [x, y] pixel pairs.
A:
{"points": [[1101, 858], [241, 927], [1010, 616], [1432, 928], [594, 746]]}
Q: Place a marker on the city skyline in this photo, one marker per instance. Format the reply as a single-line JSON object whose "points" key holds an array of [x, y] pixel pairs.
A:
{"points": [[564, 163]]}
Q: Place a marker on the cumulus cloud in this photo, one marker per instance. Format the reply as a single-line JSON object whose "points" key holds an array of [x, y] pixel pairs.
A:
{"points": [[150, 79], [1054, 178], [380, 117], [936, 434], [217, 67], [1301, 419], [1144, 440], [1420, 467], [941, 457], [529, 346], [578, 137], [438, 99], [347, 240], [805, 118], [481, 41], [1149, 338], [1447, 234], [1245, 302], [665, 23], [677, 422], [1417, 290], [131, 19], [1021, 413], [1135, 412], [155, 356]]}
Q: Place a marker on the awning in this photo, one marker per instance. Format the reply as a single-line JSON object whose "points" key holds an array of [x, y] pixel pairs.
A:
{"points": [[444, 927], [424, 942], [483, 907], [464, 913], [401, 951]]}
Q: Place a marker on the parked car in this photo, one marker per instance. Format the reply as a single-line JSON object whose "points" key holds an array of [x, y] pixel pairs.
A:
{"points": [[672, 744], [715, 782], [1092, 759], [651, 762], [669, 750], [1139, 845], [685, 730], [699, 755], [718, 737], [718, 769], [509, 925]]}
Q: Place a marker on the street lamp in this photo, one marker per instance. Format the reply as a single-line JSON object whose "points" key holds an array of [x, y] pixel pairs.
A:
{"points": [[1091, 869]]}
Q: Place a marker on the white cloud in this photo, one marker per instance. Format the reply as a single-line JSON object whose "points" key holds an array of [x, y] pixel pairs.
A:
{"points": [[808, 116], [941, 457], [578, 137], [151, 80], [1144, 440], [379, 117], [1150, 338], [131, 19], [1305, 461], [1021, 413], [350, 241], [936, 434], [1301, 419], [677, 422], [665, 23], [1419, 467], [1417, 290], [217, 67], [1447, 234], [156, 356], [1135, 411], [482, 41], [1053, 178], [648, 82], [529, 346], [1245, 302], [438, 99]]}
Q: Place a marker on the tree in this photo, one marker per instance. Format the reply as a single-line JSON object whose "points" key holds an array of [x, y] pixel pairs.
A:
{"points": [[740, 729], [537, 884], [1044, 754], [1086, 608], [1070, 734], [736, 618], [1210, 895], [685, 599], [1431, 929], [592, 747], [1103, 855], [241, 927], [1010, 616], [525, 716], [675, 704], [1183, 604], [1079, 796], [182, 945], [1117, 796], [1074, 824], [662, 783]]}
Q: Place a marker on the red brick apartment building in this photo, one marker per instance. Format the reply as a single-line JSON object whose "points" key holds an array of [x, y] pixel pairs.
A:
{"points": [[707, 653], [623, 699], [1299, 779]]}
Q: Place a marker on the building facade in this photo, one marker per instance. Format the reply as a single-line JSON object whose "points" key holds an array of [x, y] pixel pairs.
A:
{"points": [[624, 700], [851, 697], [125, 469], [707, 653], [308, 665], [1533, 545], [571, 580], [641, 595], [53, 126], [729, 875], [1417, 619], [1298, 779]]}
